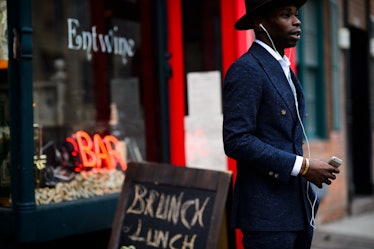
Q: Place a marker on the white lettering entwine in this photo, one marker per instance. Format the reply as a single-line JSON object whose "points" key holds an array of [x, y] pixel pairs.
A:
{"points": [[91, 41]]}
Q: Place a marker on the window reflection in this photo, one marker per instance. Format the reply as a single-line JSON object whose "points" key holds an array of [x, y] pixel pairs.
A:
{"points": [[87, 78]]}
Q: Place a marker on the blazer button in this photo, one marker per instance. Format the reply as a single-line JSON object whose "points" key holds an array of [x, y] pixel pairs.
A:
{"points": [[283, 112], [271, 173], [276, 176]]}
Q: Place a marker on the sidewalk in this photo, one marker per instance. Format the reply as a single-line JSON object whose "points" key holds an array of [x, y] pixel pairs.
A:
{"points": [[351, 232]]}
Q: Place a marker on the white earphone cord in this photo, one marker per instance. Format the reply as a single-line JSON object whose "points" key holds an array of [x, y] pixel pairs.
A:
{"points": [[312, 221]]}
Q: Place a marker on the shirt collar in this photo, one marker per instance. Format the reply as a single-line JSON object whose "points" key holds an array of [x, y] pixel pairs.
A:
{"points": [[285, 62]]}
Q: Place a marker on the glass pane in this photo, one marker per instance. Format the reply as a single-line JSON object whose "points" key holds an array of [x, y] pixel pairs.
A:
{"points": [[310, 97], [335, 65], [88, 81], [311, 34]]}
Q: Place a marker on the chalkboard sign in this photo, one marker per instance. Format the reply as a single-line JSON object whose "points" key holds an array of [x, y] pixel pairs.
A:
{"points": [[165, 206]]}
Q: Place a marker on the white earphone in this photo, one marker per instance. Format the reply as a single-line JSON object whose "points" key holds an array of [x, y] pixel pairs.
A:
{"points": [[271, 40], [262, 26]]}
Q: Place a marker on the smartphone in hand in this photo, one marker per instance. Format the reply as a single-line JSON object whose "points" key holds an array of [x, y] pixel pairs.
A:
{"points": [[335, 161]]}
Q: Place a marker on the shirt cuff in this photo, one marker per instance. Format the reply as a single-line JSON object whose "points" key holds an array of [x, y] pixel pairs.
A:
{"points": [[297, 166]]}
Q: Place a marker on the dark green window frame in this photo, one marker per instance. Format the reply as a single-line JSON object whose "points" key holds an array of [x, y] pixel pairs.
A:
{"points": [[311, 68]]}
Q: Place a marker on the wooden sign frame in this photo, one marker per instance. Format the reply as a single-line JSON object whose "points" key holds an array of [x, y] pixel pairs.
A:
{"points": [[175, 178]]}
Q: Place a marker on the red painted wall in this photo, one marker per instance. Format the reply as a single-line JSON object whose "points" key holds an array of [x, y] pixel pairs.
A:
{"points": [[176, 82]]}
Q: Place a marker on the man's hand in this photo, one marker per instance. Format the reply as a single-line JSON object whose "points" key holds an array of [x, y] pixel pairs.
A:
{"points": [[319, 172]]}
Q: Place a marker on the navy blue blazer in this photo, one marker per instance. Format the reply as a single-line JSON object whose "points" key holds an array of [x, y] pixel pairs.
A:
{"points": [[262, 132]]}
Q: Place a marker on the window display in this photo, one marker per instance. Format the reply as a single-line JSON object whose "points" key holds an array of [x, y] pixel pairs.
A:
{"points": [[87, 94]]}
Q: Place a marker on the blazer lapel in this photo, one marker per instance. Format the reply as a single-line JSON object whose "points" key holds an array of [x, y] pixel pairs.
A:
{"points": [[300, 94], [277, 77], [301, 103]]}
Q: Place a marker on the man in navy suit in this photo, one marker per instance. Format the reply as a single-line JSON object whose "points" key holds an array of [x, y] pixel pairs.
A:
{"points": [[274, 204]]}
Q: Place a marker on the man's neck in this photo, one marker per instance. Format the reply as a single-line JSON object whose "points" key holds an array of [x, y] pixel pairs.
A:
{"points": [[270, 49], [270, 44]]}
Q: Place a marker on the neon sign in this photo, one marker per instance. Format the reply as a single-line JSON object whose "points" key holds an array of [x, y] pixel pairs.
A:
{"points": [[96, 152]]}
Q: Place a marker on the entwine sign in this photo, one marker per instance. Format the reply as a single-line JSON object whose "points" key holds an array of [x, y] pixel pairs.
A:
{"points": [[164, 206]]}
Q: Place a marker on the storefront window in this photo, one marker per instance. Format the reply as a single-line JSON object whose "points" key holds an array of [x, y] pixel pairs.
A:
{"points": [[88, 93]]}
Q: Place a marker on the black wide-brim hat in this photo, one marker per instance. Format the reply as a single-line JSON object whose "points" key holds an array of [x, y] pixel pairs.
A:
{"points": [[252, 7]]}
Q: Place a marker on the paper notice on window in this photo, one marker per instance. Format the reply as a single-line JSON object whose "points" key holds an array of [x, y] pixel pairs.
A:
{"points": [[204, 93], [203, 124]]}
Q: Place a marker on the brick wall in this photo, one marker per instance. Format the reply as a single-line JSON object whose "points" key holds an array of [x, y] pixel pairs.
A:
{"points": [[334, 203]]}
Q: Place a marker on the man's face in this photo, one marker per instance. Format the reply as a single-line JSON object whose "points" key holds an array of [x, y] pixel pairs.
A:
{"points": [[283, 25]]}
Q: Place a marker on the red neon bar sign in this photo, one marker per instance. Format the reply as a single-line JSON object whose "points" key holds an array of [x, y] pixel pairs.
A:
{"points": [[96, 152]]}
